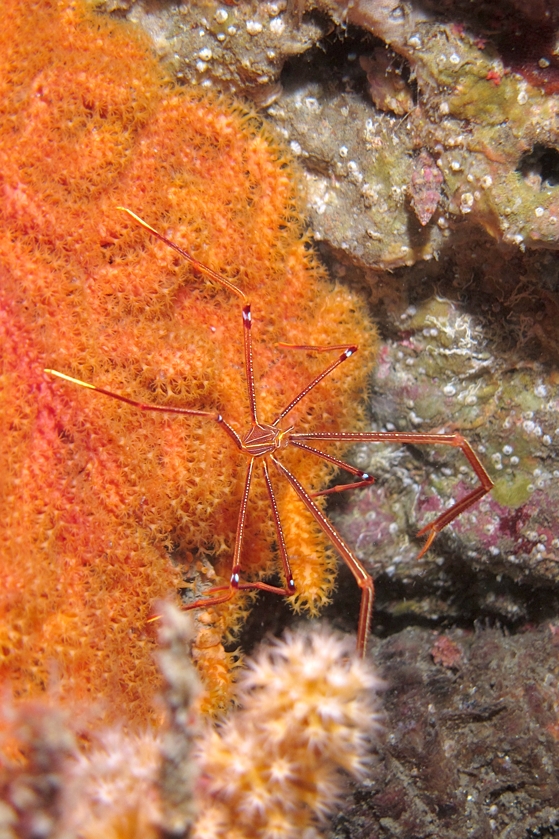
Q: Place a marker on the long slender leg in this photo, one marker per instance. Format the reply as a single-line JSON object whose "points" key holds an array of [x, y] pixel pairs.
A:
{"points": [[146, 406], [198, 265], [249, 367], [365, 478], [362, 578], [417, 438], [234, 582], [143, 406], [240, 534], [348, 351], [290, 584]]}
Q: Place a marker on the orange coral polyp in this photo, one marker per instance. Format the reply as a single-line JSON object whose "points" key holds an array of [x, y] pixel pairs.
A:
{"points": [[102, 505]]}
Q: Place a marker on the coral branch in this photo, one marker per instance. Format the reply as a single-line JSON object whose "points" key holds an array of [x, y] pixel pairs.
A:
{"points": [[308, 709]]}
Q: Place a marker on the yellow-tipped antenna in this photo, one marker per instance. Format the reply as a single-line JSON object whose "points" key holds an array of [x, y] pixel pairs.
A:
{"points": [[69, 378], [199, 265], [139, 220], [143, 406]]}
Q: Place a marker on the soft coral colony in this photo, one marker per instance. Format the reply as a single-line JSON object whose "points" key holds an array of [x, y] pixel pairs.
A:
{"points": [[104, 508], [274, 768]]}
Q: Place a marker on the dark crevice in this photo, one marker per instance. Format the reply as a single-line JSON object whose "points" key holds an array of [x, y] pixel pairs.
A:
{"points": [[540, 167]]}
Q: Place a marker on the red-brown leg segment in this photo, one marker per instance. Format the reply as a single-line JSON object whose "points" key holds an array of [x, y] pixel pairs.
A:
{"points": [[194, 262], [143, 406], [348, 351], [417, 438], [235, 583], [362, 578], [365, 479], [290, 583]]}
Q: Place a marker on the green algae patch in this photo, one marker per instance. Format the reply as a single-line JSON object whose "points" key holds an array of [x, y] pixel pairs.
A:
{"points": [[512, 490]]}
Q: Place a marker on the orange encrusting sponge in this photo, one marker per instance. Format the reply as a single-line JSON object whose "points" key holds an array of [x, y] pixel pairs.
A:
{"points": [[103, 507]]}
